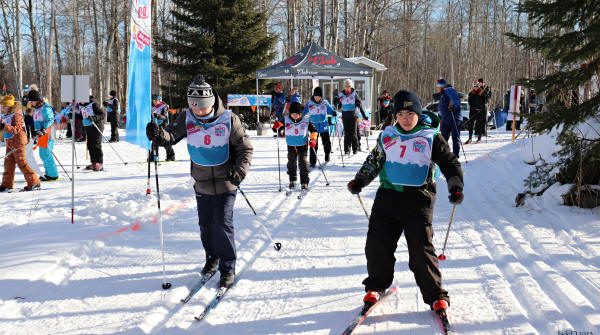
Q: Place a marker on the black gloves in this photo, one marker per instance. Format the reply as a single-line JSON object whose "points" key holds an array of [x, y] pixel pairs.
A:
{"points": [[334, 114], [354, 186], [455, 189], [1, 125], [235, 178], [152, 131]]}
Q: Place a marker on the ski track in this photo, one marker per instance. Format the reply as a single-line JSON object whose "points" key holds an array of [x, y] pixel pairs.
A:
{"points": [[506, 272]]}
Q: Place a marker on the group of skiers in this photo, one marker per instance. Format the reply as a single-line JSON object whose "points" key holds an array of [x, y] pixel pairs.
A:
{"points": [[408, 153], [406, 157]]}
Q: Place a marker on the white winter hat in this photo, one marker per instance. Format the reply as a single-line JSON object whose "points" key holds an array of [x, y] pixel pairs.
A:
{"points": [[348, 82]]}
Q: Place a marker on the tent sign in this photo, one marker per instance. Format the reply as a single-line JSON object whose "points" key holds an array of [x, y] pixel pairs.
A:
{"points": [[248, 100]]}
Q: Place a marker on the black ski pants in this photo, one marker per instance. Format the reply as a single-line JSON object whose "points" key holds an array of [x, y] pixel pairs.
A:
{"points": [[350, 138], [298, 158], [409, 212], [326, 139], [94, 143], [215, 217], [476, 121], [113, 118]]}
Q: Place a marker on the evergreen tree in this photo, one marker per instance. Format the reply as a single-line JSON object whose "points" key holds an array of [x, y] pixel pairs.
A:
{"points": [[571, 41], [225, 40]]}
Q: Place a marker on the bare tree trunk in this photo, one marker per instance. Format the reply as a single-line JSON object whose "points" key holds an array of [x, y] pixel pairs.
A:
{"points": [[49, 64], [99, 85], [323, 25], [34, 42], [335, 13], [57, 47]]}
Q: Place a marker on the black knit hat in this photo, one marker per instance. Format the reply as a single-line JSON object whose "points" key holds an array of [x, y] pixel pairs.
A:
{"points": [[200, 93], [34, 95], [318, 92], [296, 107], [113, 93], [405, 100]]}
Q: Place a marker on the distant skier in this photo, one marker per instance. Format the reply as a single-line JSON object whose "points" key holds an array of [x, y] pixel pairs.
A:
{"points": [[113, 110], [477, 112], [348, 102], [300, 134], [93, 123], [278, 101], [449, 111], [405, 159], [15, 136], [386, 111], [43, 121], [160, 114], [317, 109], [220, 152]]}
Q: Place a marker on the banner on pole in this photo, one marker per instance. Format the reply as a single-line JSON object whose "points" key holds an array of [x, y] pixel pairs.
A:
{"points": [[139, 76], [248, 100], [514, 109]]}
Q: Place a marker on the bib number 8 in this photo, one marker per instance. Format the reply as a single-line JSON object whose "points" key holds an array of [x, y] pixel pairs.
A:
{"points": [[207, 139]]}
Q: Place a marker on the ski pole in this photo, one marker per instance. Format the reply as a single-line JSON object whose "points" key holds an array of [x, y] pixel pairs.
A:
{"points": [[442, 256], [59, 163], [339, 142], [321, 166], [459, 140], [278, 160], [148, 190], [9, 153], [362, 204], [109, 144], [276, 245], [165, 285]]}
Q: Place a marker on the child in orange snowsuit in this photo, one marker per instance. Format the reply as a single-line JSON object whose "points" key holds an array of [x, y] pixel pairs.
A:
{"points": [[13, 123]]}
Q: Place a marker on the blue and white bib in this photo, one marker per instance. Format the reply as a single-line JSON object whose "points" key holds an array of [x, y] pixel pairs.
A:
{"points": [[7, 119], [160, 110], [348, 101], [208, 143], [87, 112], [296, 133], [407, 156], [317, 112]]}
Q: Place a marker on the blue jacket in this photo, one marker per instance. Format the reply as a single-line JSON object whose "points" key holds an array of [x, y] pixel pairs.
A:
{"points": [[43, 117], [278, 101], [449, 105]]}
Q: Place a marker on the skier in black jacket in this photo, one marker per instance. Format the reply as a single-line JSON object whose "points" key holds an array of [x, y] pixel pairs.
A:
{"points": [[406, 158]]}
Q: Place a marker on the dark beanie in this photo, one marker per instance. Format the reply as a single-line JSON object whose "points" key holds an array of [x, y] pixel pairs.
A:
{"points": [[34, 95], [113, 93], [405, 100], [318, 92], [296, 107]]}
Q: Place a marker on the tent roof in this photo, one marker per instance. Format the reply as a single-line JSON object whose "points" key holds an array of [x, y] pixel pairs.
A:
{"points": [[368, 62], [314, 62]]}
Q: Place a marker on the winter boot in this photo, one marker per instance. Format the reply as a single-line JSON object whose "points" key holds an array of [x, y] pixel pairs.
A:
{"points": [[372, 297], [327, 157], [468, 141], [227, 279], [5, 189], [292, 185], [48, 178], [210, 267], [98, 167], [89, 167], [35, 187], [439, 306], [304, 187], [478, 139]]}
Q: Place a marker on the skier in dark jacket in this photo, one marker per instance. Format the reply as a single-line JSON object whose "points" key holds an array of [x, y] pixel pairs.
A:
{"points": [[348, 102], [300, 134], [278, 101], [477, 112], [93, 123], [220, 152], [112, 114], [160, 114], [386, 112], [405, 159], [449, 110]]}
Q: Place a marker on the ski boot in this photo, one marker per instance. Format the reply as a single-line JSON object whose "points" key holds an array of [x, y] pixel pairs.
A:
{"points": [[210, 267], [35, 187], [5, 189], [226, 279], [48, 178], [371, 298], [468, 141]]}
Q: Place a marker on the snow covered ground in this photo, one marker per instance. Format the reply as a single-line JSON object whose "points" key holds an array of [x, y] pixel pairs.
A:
{"points": [[527, 270]]}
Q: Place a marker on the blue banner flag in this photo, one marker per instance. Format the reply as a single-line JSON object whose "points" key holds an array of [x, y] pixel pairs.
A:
{"points": [[248, 100], [140, 71]]}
